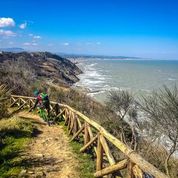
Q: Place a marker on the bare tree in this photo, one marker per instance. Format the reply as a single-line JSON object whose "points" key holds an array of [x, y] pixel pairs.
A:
{"points": [[120, 101], [123, 103], [162, 110]]}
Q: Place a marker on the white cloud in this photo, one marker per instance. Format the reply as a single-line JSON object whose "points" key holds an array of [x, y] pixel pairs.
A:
{"points": [[7, 22], [27, 44], [30, 44], [23, 25], [37, 37], [7, 33], [66, 44]]}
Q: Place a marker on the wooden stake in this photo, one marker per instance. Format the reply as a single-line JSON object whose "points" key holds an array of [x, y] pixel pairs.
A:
{"points": [[111, 169], [107, 150], [88, 144], [78, 132], [86, 134], [99, 160]]}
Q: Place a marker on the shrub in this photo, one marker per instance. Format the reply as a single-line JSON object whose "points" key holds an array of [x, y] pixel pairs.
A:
{"points": [[4, 96], [123, 103], [18, 76], [94, 110], [162, 111]]}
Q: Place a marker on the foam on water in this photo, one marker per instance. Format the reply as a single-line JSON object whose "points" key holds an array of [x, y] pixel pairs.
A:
{"points": [[171, 79], [140, 77]]}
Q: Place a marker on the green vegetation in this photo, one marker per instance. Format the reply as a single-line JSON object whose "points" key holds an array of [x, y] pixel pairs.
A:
{"points": [[15, 134], [93, 109], [161, 108], [86, 165]]}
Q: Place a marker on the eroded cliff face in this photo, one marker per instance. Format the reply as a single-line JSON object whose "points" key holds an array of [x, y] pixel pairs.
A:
{"points": [[46, 65]]}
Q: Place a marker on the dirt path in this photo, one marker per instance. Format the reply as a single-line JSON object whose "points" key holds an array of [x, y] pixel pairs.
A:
{"points": [[49, 154]]}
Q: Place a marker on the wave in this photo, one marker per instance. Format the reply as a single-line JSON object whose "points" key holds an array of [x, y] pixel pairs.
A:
{"points": [[93, 74], [93, 64], [95, 93], [171, 79]]}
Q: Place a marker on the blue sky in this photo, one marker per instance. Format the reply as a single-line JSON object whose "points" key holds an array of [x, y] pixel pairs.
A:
{"points": [[144, 28]]}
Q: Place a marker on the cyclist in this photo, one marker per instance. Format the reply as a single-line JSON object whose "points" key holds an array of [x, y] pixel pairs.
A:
{"points": [[42, 102]]}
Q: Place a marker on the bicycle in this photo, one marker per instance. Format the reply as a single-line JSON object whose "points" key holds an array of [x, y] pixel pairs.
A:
{"points": [[43, 114]]}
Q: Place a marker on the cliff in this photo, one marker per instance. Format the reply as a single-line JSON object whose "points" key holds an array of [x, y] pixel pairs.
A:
{"points": [[44, 64]]}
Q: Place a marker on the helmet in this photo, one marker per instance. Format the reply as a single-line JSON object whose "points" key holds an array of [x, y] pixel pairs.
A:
{"points": [[36, 92]]}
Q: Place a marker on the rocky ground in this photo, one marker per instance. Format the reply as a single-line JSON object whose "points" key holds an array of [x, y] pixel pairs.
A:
{"points": [[49, 154]]}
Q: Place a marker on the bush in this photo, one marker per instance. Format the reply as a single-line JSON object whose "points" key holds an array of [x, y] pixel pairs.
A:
{"points": [[4, 96], [91, 108], [18, 76], [162, 112], [123, 104]]}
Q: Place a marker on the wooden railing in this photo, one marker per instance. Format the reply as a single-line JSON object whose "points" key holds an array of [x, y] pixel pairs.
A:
{"points": [[97, 139]]}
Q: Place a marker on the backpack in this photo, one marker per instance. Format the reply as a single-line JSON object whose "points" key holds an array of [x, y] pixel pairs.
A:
{"points": [[42, 98]]}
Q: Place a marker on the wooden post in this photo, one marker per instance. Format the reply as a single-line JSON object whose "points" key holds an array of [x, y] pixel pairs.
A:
{"points": [[99, 159], [61, 113], [57, 109], [86, 134], [72, 123], [75, 128], [66, 117], [69, 120], [90, 131], [78, 121], [111, 169], [107, 150], [137, 172], [11, 100], [91, 136], [14, 102], [78, 132], [88, 144], [129, 170]]}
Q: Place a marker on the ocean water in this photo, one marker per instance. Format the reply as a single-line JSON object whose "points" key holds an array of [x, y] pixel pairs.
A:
{"points": [[138, 76]]}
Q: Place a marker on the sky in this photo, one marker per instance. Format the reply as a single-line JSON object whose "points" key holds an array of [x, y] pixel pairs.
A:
{"points": [[141, 28]]}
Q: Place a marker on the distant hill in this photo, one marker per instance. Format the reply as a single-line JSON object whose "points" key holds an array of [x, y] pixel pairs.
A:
{"points": [[15, 50], [44, 64], [96, 56]]}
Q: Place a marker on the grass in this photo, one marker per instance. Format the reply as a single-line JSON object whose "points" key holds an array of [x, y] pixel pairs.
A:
{"points": [[86, 167], [15, 135]]}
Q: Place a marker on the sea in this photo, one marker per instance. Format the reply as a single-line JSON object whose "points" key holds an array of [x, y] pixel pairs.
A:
{"points": [[140, 77]]}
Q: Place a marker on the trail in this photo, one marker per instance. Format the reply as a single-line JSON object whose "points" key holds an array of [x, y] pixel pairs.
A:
{"points": [[49, 154]]}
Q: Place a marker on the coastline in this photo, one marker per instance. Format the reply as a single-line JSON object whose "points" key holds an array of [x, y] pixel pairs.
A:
{"points": [[95, 96]]}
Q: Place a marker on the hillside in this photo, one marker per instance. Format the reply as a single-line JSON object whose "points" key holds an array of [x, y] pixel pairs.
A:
{"points": [[45, 64]]}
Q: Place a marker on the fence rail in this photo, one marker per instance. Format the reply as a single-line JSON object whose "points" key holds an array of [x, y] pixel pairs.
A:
{"points": [[97, 139]]}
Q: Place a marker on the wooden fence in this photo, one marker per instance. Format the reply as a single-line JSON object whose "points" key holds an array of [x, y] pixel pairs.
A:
{"points": [[94, 137]]}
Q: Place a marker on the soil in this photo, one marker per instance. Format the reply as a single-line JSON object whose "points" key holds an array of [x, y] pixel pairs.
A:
{"points": [[49, 154]]}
